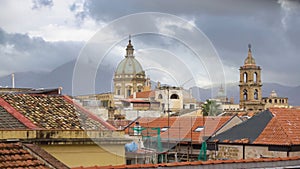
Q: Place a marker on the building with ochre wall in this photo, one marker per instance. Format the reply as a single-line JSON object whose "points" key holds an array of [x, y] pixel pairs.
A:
{"points": [[250, 85], [129, 76], [275, 101]]}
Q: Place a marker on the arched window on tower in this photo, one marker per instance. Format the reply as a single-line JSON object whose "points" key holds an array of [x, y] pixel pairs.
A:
{"points": [[255, 77], [245, 77], [256, 94], [160, 96], [245, 93], [174, 96]]}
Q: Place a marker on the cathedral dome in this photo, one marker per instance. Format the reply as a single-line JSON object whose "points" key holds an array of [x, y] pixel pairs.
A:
{"points": [[129, 65], [273, 94]]}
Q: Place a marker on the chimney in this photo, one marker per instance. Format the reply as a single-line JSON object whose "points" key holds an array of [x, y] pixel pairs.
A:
{"points": [[59, 90], [13, 80]]}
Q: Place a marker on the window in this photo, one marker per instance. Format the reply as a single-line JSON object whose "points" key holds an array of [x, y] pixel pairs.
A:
{"points": [[245, 77], [199, 128], [255, 77], [128, 92], [256, 94], [160, 96], [118, 92], [174, 96], [164, 129], [245, 94]]}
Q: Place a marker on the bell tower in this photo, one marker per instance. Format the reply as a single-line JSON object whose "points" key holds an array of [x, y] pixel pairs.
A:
{"points": [[250, 85]]}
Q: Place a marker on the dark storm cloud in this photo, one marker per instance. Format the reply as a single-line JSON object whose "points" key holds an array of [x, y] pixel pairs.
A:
{"points": [[19, 52], [112, 9], [272, 27], [37, 4]]}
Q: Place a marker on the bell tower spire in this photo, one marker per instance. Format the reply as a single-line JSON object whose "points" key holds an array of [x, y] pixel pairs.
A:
{"points": [[250, 85], [129, 49], [249, 61]]}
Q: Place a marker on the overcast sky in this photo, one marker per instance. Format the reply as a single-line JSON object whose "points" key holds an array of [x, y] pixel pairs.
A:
{"points": [[40, 35]]}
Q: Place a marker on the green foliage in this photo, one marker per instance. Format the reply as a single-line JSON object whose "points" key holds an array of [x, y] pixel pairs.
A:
{"points": [[210, 108]]}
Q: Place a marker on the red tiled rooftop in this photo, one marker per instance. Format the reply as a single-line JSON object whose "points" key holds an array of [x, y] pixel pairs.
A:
{"points": [[13, 155], [195, 163], [144, 94], [51, 112], [8, 121], [283, 128], [181, 128]]}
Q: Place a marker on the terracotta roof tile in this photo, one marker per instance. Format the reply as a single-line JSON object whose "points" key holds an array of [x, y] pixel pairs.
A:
{"points": [[182, 127], [195, 163], [144, 94], [8, 121], [45, 156], [52, 112], [13, 155], [283, 129]]}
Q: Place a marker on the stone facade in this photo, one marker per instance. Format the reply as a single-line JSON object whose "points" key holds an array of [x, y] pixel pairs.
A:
{"points": [[274, 101], [250, 85], [234, 152], [170, 98], [129, 76], [262, 151]]}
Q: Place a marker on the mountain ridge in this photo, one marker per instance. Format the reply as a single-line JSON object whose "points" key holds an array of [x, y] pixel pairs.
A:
{"points": [[62, 77]]}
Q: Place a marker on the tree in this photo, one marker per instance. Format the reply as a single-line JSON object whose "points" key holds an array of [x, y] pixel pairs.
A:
{"points": [[210, 108]]}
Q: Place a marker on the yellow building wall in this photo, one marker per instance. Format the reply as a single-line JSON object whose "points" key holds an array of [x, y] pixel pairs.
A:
{"points": [[87, 155]]}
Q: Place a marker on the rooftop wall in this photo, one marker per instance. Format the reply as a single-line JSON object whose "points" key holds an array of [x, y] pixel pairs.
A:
{"points": [[54, 134]]}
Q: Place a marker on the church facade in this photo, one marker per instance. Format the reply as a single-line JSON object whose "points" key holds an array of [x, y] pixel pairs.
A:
{"points": [[129, 76]]}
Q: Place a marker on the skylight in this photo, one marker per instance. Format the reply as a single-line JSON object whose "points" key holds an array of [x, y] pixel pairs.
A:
{"points": [[199, 128], [164, 129]]}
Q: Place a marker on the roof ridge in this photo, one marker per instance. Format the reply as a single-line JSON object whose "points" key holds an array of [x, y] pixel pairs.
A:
{"points": [[46, 157], [16, 114], [245, 129], [261, 138], [90, 114]]}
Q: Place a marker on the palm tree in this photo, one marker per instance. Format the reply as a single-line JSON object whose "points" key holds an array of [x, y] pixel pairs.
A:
{"points": [[210, 108]]}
